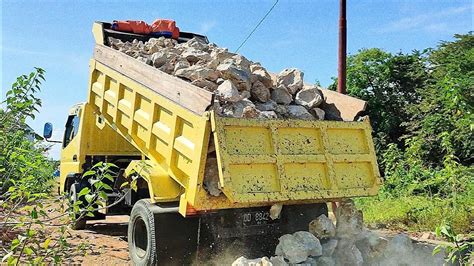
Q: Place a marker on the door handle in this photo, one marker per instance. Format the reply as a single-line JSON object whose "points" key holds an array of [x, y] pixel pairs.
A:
{"points": [[74, 158]]}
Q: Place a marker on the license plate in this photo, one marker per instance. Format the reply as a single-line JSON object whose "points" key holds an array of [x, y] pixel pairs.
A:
{"points": [[257, 218]]}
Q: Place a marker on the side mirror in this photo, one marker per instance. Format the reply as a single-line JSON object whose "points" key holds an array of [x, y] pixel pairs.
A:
{"points": [[48, 130]]}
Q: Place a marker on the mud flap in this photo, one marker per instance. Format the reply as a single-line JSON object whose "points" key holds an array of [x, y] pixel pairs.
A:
{"points": [[176, 238]]}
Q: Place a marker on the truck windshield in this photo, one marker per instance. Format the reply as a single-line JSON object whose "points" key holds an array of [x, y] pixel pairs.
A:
{"points": [[72, 127]]}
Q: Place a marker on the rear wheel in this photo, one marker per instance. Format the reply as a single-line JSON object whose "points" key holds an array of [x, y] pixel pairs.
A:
{"points": [[158, 234], [79, 222], [141, 234]]}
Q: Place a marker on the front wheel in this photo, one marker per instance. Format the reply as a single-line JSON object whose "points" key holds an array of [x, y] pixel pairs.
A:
{"points": [[79, 222], [141, 234]]}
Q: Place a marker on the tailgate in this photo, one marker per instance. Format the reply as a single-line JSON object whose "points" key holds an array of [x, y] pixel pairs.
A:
{"points": [[281, 160]]}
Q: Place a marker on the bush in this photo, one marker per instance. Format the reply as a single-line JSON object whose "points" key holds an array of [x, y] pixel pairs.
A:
{"points": [[22, 159]]}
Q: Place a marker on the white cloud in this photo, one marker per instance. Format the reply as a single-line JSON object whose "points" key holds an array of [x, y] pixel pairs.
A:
{"points": [[206, 26], [432, 22], [75, 60]]}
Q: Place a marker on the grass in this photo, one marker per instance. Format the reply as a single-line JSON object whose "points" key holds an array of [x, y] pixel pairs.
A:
{"points": [[418, 213]]}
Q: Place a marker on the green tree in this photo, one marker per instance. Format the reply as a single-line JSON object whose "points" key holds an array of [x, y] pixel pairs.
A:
{"points": [[21, 159], [420, 105], [443, 121], [389, 83]]}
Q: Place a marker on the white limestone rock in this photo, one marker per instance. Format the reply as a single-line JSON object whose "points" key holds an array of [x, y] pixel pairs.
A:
{"points": [[291, 249], [228, 92], [310, 242], [239, 76], [309, 97], [292, 79]]}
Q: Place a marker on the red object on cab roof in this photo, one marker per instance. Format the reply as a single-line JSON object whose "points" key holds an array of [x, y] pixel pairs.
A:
{"points": [[134, 26], [165, 26], [160, 27]]}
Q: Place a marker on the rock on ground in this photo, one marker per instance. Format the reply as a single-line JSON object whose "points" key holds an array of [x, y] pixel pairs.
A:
{"points": [[349, 220], [310, 242], [325, 261], [350, 255], [329, 247], [243, 261], [296, 248], [278, 261], [322, 227], [371, 246], [291, 249]]}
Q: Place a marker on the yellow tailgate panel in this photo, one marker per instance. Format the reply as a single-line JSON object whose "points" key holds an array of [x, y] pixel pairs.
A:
{"points": [[294, 160]]}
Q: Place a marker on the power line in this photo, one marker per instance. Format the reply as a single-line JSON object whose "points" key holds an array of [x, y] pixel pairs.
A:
{"points": [[254, 29]]}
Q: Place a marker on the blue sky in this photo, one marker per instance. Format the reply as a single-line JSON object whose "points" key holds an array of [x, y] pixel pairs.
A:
{"points": [[56, 35]]}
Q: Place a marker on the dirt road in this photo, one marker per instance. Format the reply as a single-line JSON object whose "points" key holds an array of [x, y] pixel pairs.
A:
{"points": [[108, 241]]}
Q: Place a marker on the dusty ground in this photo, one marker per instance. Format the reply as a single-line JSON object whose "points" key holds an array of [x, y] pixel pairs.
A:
{"points": [[107, 241]]}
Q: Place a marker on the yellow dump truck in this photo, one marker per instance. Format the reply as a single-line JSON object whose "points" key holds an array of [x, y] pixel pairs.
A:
{"points": [[135, 113]]}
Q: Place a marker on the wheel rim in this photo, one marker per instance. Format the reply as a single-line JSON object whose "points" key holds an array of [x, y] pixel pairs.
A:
{"points": [[72, 196], [140, 237]]}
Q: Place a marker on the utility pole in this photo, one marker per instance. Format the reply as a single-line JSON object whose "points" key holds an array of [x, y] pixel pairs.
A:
{"points": [[341, 63], [341, 69]]}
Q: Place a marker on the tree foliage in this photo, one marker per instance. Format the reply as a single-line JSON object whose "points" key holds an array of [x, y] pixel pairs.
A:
{"points": [[420, 105], [22, 158], [389, 83]]}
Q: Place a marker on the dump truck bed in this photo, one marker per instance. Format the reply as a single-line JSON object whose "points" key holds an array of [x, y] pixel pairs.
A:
{"points": [[260, 161]]}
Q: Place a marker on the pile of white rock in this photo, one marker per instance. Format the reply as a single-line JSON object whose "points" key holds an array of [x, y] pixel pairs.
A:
{"points": [[243, 88], [347, 243]]}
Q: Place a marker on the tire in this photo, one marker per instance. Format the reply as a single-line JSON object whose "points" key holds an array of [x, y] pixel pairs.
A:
{"points": [[141, 234], [79, 223]]}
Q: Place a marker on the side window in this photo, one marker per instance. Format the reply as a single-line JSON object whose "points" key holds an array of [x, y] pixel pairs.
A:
{"points": [[72, 128]]}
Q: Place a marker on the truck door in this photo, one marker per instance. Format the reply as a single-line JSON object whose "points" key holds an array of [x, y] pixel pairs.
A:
{"points": [[70, 153]]}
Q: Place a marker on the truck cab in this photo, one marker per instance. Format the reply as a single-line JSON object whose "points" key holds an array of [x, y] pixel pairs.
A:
{"points": [[87, 140]]}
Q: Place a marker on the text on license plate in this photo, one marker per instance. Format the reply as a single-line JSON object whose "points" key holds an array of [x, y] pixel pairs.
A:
{"points": [[257, 218]]}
